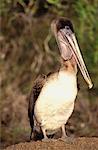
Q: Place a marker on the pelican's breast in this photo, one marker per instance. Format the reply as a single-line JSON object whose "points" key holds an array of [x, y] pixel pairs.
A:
{"points": [[57, 96]]}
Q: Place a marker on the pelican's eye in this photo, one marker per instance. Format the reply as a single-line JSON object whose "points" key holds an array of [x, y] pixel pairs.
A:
{"points": [[67, 27]]}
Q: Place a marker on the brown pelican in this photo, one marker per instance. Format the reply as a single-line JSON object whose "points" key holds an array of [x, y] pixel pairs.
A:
{"points": [[52, 97]]}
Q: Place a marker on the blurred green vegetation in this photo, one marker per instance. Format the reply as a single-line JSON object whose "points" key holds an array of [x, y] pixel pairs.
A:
{"points": [[27, 48]]}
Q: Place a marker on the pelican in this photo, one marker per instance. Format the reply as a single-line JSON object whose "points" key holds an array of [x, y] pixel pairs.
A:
{"points": [[52, 98]]}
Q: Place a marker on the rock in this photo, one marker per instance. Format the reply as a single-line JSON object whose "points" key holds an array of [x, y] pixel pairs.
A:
{"points": [[82, 143]]}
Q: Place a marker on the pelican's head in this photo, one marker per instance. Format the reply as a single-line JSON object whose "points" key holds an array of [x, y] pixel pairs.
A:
{"points": [[68, 46]]}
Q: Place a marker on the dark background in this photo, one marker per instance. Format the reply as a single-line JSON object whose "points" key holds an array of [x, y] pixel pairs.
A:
{"points": [[28, 48]]}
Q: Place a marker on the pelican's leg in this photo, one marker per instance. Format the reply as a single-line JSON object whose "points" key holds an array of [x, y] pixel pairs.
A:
{"points": [[63, 132], [64, 137], [44, 133], [46, 139]]}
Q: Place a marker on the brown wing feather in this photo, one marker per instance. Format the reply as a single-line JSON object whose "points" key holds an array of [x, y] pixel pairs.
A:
{"points": [[36, 89]]}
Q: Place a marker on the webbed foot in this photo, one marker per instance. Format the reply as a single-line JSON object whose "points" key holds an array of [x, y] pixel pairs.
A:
{"points": [[48, 140], [68, 140]]}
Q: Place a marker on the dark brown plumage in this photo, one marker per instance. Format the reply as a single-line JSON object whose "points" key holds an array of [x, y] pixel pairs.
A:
{"points": [[37, 86]]}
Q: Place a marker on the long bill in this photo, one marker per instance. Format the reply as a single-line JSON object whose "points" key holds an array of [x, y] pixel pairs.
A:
{"points": [[70, 43]]}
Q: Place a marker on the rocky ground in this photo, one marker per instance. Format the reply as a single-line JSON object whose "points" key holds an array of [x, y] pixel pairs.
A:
{"points": [[82, 143]]}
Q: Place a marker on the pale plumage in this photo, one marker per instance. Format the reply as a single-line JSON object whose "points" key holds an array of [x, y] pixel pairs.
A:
{"points": [[56, 100]]}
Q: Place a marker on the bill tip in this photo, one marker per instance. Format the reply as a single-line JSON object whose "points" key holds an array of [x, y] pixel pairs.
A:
{"points": [[90, 86]]}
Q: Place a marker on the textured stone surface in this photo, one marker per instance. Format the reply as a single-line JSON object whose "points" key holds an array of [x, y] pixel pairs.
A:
{"points": [[82, 143]]}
